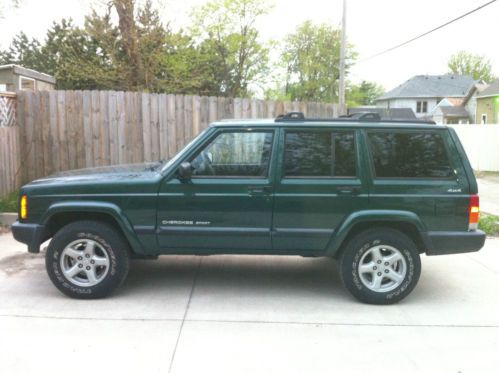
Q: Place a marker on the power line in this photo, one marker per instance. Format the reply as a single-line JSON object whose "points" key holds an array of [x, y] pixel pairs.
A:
{"points": [[428, 32]]}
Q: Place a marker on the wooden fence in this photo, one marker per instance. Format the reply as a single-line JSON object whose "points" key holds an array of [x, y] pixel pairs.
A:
{"points": [[9, 160], [63, 130]]}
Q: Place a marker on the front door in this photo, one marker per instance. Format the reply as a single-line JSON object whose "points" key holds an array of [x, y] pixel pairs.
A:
{"points": [[227, 205]]}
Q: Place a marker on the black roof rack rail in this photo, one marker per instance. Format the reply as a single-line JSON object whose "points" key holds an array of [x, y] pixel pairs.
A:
{"points": [[293, 115], [296, 116]]}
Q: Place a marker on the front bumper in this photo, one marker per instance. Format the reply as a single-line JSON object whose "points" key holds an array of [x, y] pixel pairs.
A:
{"points": [[30, 234], [440, 243]]}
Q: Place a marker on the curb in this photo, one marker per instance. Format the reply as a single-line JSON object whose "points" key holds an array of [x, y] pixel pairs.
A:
{"points": [[8, 218]]}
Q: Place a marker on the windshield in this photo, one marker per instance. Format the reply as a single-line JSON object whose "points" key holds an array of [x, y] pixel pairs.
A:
{"points": [[183, 151]]}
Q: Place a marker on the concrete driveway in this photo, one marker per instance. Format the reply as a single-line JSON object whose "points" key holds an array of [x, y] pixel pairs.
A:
{"points": [[488, 189], [250, 314]]}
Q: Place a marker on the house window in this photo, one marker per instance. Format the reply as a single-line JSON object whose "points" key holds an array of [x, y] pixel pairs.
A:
{"points": [[484, 118], [26, 84], [422, 107]]}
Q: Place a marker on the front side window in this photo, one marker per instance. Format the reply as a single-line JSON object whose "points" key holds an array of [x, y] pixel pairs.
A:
{"points": [[319, 154], [235, 154], [409, 155]]}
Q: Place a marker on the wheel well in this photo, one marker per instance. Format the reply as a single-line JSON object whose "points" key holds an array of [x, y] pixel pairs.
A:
{"points": [[407, 228], [62, 219]]}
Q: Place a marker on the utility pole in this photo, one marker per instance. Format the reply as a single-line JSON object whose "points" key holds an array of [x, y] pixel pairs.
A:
{"points": [[342, 58]]}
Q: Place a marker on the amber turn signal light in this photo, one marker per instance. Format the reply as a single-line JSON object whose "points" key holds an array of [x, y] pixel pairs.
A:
{"points": [[24, 207]]}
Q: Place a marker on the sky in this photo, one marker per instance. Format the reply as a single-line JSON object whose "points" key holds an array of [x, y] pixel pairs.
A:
{"points": [[372, 26]]}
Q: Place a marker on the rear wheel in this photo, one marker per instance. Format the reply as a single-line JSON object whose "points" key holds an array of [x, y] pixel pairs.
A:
{"points": [[87, 260], [380, 266]]}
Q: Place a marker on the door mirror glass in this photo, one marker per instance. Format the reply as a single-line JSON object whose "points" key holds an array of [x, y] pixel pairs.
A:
{"points": [[184, 171]]}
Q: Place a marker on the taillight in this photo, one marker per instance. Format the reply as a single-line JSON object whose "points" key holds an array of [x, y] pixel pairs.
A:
{"points": [[474, 212]]}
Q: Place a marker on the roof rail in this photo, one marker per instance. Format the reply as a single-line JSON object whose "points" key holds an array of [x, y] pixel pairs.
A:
{"points": [[296, 116]]}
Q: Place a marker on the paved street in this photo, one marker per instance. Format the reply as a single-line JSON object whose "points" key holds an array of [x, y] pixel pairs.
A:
{"points": [[250, 314]]}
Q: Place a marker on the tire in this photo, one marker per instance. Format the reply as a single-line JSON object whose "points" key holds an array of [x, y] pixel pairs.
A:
{"points": [[87, 260], [380, 266]]}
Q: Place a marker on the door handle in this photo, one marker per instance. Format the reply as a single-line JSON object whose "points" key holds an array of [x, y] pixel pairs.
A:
{"points": [[259, 190], [354, 190]]}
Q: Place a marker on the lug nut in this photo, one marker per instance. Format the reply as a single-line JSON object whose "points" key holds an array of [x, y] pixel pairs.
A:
{"points": [[92, 262], [386, 271], [80, 265], [88, 268], [87, 256], [379, 261], [387, 263], [375, 268], [379, 273]]}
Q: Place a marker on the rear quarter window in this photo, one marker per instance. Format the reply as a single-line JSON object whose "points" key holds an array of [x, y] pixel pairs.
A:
{"points": [[409, 155]]}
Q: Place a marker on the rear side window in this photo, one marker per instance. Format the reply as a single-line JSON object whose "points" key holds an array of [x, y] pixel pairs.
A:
{"points": [[409, 155], [319, 154]]}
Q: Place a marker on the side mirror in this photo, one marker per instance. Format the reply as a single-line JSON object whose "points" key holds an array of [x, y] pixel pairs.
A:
{"points": [[184, 171]]}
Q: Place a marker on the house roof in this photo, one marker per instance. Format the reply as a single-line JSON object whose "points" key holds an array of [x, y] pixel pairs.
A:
{"points": [[421, 86], [454, 111], [29, 73], [491, 90], [393, 113]]}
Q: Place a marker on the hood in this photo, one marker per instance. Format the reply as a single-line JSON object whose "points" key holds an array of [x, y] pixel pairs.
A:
{"points": [[104, 174]]}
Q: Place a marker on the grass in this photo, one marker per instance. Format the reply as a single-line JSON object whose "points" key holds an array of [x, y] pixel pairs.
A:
{"points": [[9, 202], [489, 224]]}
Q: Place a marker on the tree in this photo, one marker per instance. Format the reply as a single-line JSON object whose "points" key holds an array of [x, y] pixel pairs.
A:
{"points": [[24, 51], [364, 94], [477, 66], [311, 58], [230, 41]]}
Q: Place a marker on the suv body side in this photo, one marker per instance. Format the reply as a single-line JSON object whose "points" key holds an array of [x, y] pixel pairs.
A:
{"points": [[159, 214]]}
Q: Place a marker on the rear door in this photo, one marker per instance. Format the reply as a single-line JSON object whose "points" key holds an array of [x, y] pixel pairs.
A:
{"points": [[319, 183], [419, 171]]}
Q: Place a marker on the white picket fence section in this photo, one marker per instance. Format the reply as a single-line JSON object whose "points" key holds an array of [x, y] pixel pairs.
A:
{"points": [[481, 142]]}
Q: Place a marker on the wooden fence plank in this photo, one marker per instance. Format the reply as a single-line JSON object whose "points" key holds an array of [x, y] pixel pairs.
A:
{"points": [[155, 143], [171, 115], [113, 128], [146, 125], [104, 128], [180, 120], [164, 146], [196, 116], [47, 144], [187, 121]]}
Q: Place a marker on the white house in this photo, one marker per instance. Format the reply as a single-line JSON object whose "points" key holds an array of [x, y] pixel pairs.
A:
{"points": [[422, 93]]}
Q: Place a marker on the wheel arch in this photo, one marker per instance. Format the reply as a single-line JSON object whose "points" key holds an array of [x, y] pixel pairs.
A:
{"points": [[61, 214], [403, 221]]}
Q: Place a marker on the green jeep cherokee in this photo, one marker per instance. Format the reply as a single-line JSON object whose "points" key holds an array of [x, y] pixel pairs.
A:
{"points": [[372, 194]]}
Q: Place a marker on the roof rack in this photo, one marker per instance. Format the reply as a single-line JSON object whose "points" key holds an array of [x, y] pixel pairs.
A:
{"points": [[297, 116]]}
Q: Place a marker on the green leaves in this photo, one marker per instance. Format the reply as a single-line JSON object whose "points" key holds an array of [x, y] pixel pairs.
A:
{"points": [[311, 58], [465, 63], [226, 32]]}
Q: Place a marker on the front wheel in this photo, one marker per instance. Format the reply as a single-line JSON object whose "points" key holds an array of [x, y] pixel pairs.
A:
{"points": [[380, 266], [87, 260]]}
